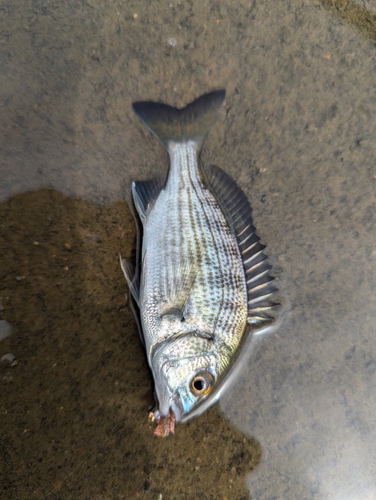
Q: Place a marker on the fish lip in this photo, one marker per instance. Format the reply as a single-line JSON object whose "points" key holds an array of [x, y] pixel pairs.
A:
{"points": [[166, 402], [174, 408], [177, 412]]}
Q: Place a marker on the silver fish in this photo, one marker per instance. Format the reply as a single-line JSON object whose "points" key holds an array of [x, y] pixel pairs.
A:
{"points": [[202, 279]]}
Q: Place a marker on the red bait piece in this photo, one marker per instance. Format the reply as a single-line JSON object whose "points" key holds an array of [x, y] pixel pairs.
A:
{"points": [[166, 425]]}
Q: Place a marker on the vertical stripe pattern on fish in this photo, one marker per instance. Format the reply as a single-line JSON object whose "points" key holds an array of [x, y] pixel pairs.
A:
{"points": [[203, 277]]}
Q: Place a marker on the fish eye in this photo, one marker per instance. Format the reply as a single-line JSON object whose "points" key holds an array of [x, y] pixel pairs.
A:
{"points": [[202, 384]]}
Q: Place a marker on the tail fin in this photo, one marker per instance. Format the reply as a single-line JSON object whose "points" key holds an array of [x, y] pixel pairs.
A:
{"points": [[191, 123]]}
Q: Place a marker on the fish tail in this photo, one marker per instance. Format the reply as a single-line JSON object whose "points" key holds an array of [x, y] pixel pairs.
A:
{"points": [[191, 123]]}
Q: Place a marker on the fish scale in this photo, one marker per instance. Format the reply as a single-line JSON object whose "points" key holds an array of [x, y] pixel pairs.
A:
{"points": [[203, 277], [201, 230]]}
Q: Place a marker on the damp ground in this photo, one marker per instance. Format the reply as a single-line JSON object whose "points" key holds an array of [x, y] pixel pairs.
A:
{"points": [[74, 408]]}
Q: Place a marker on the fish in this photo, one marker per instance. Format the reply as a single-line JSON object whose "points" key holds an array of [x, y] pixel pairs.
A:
{"points": [[202, 282]]}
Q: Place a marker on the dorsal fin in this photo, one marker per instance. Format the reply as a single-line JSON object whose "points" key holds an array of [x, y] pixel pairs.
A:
{"points": [[144, 195], [237, 210]]}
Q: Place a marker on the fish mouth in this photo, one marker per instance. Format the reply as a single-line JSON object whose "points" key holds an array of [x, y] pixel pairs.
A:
{"points": [[167, 403], [169, 408], [174, 410], [177, 411]]}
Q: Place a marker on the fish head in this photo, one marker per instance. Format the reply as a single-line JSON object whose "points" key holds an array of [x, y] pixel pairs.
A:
{"points": [[186, 371]]}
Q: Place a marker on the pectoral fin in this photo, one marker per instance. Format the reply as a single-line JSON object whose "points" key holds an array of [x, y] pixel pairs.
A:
{"points": [[177, 290], [131, 278]]}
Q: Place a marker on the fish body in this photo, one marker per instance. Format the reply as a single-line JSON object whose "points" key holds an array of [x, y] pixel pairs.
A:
{"points": [[203, 277]]}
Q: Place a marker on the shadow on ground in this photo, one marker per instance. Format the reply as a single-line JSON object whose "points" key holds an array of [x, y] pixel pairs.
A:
{"points": [[74, 408]]}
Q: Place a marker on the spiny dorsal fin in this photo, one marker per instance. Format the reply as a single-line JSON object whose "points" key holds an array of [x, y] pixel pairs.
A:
{"points": [[237, 210], [191, 123], [144, 195]]}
